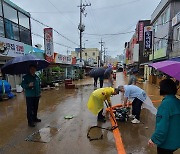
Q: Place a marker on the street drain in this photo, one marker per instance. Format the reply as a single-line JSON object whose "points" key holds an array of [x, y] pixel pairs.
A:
{"points": [[43, 135]]}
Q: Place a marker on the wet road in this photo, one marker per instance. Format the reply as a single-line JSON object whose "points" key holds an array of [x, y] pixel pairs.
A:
{"points": [[72, 135]]}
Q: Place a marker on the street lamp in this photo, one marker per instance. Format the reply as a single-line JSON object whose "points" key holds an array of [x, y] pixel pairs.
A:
{"points": [[85, 44]]}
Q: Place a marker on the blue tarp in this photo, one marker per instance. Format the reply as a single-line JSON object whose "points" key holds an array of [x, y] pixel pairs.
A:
{"points": [[5, 88]]}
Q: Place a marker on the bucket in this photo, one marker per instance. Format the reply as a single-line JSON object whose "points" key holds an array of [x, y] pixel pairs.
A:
{"points": [[19, 89]]}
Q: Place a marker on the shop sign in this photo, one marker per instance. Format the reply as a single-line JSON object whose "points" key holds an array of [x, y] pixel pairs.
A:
{"points": [[48, 43], [141, 31], [62, 59], [158, 54], [11, 48], [148, 32], [176, 19]]}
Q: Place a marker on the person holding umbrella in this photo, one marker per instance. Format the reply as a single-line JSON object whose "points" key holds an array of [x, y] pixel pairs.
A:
{"points": [[97, 98], [28, 64], [97, 73], [31, 85], [167, 132]]}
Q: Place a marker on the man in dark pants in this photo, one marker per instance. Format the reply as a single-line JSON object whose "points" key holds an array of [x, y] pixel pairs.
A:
{"points": [[95, 82], [139, 96], [32, 87], [101, 80]]}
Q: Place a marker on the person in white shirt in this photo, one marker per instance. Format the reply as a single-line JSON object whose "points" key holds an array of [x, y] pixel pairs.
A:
{"points": [[138, 95]]}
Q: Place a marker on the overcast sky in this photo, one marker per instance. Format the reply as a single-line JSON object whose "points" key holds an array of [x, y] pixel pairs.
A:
{"points": [[103, 17]]}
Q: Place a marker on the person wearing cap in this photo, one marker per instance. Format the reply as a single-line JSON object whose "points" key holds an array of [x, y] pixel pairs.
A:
{"points": [[138, 95], [97, 98], [32, 87]]}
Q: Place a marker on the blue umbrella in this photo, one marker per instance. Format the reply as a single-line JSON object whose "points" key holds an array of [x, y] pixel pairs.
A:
{"points": [[20, 65], [107, 72], [97, 72]]}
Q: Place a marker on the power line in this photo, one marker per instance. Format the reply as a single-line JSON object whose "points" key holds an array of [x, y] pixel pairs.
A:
{"points": [[54, 31], [53, 41], [121, 33], [61, 12], [116, 6]]}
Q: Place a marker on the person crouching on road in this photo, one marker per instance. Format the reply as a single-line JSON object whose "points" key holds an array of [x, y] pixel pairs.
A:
{"points": [[138, 95], [97, 98], [167, 131], [32, 87]]}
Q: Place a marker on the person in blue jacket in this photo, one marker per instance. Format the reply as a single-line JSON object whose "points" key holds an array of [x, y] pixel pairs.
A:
{"points": [[167, 131], [32, 87]]}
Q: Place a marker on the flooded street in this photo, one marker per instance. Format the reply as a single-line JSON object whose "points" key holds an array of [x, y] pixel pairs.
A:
{"points": [[70, 136]]}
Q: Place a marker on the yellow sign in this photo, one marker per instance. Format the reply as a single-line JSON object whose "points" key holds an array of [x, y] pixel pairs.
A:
{"points": [[158, 54]]}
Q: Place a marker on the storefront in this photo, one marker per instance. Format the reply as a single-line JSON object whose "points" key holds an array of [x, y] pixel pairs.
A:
{"points": [[65, 63], [15, 33]]}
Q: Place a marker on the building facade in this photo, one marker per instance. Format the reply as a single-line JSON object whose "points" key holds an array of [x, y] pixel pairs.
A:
{"points": [[176, 37], [89, 55], [15, 35], [135, 51], [161, 20]]}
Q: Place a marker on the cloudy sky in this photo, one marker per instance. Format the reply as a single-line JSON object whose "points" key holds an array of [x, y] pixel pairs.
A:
{"points": [[103, 17]]}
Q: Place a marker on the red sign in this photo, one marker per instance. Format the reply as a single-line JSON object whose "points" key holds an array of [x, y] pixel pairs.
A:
{"points": [[48, 44], [141, 31], [74, 61]]}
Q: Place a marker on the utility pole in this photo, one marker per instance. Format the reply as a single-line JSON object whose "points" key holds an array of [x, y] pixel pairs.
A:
{"points": [[105, 55], [100, 54], [81, 26]]}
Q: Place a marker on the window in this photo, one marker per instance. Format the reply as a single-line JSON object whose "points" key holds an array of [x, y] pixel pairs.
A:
{"points": [[178, 34], [25, 35], [94, 53], [10, 13], [163, 18], [23, 20], [12, 30], [168, 14], [1, 27], [157, 45], [156, 26], [0, 8]]}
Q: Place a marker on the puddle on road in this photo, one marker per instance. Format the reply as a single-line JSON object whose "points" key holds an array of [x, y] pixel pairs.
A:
{"points": [[43, 135]]}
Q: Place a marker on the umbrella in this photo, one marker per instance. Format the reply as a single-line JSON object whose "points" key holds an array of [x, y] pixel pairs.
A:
{"points": [[170, 67], [107, 72], [97, 72], [20, 65]]}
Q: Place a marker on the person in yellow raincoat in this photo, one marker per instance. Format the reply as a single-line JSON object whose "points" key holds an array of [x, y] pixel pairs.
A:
{"points": [[96, 101]]}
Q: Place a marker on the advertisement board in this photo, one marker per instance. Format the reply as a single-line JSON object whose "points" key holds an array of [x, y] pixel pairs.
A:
{"points": [[136, 53], [62, 59], [141, 31], [176, 19], [48, 44], [158, 54], [148, 34], [11, 48]]}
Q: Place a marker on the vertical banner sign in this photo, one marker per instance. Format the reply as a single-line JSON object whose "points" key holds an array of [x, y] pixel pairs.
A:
{"points": [[148, 32], [141, 31], [48, 44]]}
